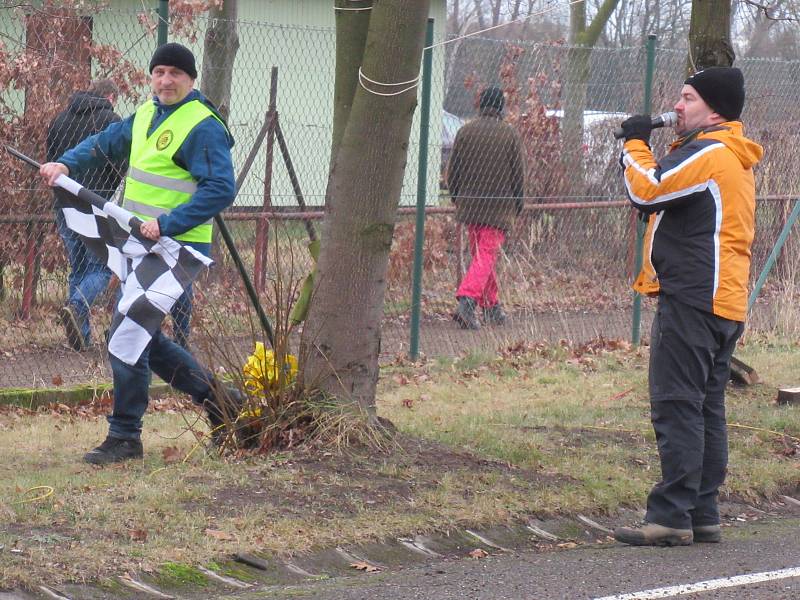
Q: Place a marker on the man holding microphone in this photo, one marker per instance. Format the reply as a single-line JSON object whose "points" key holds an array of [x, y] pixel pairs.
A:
{"points": [[701, 202]]}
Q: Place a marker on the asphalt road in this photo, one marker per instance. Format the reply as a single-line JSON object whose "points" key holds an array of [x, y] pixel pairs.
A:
{"points": [[610, 571]]}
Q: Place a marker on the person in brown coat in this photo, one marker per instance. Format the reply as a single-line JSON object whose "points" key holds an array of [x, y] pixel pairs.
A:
{"points": [[486, 180]]}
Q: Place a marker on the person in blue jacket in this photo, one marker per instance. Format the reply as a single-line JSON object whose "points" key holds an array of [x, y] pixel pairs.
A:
{"points": [[180, 177], [88, 112]]}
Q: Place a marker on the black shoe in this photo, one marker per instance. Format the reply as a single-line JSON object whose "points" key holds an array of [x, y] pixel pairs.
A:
{"points": [[707, 534], [223, 405], [72, 327], [114, 450], [465, 314], [494, 315]]}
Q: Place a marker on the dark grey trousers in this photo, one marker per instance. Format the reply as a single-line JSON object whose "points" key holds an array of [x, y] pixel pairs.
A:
{"points": [[690, 356]]}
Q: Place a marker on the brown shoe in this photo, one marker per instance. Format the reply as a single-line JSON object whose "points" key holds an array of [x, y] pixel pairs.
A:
{"points": [[707, 534], [651, 534]]}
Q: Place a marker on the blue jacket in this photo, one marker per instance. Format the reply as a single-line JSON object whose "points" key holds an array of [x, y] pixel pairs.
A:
{"points": [[205, 154]]}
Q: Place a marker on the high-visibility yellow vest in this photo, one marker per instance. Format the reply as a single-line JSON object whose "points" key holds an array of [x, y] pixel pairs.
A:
{"points": [[155, 184]]}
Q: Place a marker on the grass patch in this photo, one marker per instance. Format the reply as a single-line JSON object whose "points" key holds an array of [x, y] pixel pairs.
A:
{"points": [[178, 575], [482, 439]]}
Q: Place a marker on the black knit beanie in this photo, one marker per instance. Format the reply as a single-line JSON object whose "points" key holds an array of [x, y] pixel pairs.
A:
{"points": [[174, 55], [492, 97], [722, 88]]}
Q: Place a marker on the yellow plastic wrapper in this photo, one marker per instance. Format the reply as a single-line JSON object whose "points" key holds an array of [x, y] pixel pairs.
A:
{"points": [[261, 373]]}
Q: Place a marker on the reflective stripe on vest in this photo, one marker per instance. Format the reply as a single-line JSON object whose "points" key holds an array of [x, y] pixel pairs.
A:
{"points": [[155, 185]]}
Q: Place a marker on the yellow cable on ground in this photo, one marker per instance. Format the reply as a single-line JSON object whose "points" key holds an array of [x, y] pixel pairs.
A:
{"points": [[196, 446], [156, 471], [761, 429], [47, 494]]}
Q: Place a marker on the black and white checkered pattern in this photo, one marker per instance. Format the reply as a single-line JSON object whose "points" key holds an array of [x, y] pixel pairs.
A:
{"points": [[153, 274]]}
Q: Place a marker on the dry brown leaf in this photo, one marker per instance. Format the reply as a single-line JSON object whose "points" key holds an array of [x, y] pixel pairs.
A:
{"points": [[57, 380], [220, 535], [568, 545], [138, 535], [479, 553], [171, 454], [622, 394], [365, 566]]}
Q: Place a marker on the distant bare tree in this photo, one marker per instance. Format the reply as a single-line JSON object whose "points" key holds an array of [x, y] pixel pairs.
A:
{"points": [[583, 36], [464, 16], [769, 28], [634, 20]]}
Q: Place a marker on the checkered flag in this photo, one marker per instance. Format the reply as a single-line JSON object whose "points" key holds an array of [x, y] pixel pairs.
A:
{"points": [[153, 274]]}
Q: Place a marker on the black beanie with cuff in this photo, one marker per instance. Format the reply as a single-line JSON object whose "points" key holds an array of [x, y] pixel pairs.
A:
{"points": [[722, 88], [174, 55]]}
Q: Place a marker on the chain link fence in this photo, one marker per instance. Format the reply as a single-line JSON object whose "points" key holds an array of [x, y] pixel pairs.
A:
{"points": [[568, 257]]}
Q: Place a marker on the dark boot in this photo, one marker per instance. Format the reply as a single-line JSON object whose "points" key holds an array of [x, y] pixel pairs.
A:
{"points": [[465, 313], [494, 315], [114, 450], [222, 406], [707, 534], [72, 327]]}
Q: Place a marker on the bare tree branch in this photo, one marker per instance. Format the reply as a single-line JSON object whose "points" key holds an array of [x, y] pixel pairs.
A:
{"points": [[765, 10]]}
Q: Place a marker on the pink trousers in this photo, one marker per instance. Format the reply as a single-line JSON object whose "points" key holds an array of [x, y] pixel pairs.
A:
{"points": [[480, 281]]}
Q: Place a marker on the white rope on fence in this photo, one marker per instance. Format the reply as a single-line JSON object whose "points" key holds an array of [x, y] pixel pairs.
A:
{"points": [[411, 83], [353, 9], [414, 83]]}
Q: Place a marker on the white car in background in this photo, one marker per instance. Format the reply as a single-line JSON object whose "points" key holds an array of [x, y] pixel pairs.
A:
{"points": [[450, 125]]}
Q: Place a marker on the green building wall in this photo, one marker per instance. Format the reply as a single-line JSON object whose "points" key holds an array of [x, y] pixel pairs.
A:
{"points": [[298, 38]]}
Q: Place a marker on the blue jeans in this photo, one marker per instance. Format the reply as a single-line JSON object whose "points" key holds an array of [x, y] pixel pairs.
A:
{"points": [[182, 317], [88, 277], [170, 362], [166, 358], [182, 309]]}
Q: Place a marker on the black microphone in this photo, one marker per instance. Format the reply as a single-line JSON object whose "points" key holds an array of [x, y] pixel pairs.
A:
{"points": [[667, 119]]}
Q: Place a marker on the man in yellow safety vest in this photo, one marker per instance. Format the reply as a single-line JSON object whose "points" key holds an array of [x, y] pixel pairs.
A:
{"points": [[180, 176]]}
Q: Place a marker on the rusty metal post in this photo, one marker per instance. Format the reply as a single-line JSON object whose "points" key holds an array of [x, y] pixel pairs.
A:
{"points": [[262, 225]]}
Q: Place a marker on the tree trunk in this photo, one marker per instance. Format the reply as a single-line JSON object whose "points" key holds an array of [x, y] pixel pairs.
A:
{"points": [[710, 35], [479, 13], [515, 10], [351, 36], [219, 53], [496, 13], [342, 335], [582, 39]]}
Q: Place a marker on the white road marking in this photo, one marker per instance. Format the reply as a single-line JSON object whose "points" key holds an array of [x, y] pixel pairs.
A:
{"points": [[706, 586]]}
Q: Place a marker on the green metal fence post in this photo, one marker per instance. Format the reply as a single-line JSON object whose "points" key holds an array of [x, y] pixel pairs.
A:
{"points": [[636, 333], [422, 192], [163, 21], [773, 256]]}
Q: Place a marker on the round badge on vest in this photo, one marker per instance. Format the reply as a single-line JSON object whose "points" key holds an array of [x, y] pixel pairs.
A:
{"points": [[164, 140]]}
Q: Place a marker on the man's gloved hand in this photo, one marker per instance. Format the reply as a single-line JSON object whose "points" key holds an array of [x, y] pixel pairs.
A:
{"points": [[638, 127]]}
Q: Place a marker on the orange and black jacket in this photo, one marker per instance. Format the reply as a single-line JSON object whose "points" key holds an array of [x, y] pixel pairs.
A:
{"points": [[701, 202]]}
